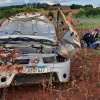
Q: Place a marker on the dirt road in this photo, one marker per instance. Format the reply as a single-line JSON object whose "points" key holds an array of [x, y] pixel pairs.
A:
{"points": [[88, 20]]}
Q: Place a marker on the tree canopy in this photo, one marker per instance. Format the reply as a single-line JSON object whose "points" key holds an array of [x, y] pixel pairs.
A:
{"points": [[75, 6], [8, 11]]}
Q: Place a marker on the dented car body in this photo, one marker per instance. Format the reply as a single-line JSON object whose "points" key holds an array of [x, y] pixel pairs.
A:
{"points": [[31, 53]]}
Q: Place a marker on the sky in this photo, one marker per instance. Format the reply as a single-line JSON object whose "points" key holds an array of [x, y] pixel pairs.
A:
{"points": [[95, 3]]}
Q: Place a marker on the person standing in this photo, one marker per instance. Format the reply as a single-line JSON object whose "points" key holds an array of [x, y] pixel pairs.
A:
{"points": [[70, 19]]}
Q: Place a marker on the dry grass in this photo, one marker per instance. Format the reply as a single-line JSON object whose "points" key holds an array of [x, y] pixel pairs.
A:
{"points": [[82, 31]]}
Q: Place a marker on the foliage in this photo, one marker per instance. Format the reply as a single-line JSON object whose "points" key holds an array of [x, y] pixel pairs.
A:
{"points": [[50, 13], [75, 6], [88, 24], [58, 4], [42, 5], [89, 13], [39, 5], [6, 12]]}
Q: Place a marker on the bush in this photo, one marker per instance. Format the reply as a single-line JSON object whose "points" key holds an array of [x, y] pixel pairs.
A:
{"points": [[89, 13], [6, 12], [50, 13]]}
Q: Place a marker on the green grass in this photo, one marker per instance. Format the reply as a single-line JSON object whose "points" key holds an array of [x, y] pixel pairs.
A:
{"points": [[94, 53], [96, 17], [87, 18], [88, 24]]}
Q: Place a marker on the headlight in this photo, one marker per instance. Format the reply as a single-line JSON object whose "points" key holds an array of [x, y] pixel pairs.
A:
{"points": [[3, 79]]}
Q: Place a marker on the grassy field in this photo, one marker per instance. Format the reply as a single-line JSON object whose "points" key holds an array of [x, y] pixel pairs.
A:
{"points": [[88, 24]]}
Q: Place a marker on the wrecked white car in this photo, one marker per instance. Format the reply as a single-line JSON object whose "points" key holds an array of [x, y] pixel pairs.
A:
{"points": [[38, 54]]}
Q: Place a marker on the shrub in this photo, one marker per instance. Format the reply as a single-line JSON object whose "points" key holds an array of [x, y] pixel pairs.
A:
{"points": [[50, 13]]}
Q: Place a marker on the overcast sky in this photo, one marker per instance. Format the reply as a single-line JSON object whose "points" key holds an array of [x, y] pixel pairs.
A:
{"points": [[95, 3]]}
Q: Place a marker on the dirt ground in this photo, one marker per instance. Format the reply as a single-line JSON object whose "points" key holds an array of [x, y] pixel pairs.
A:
{"points": [[84, 82]]}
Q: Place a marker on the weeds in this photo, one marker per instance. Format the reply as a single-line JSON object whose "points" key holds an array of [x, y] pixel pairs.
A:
{"points": [[73, 83], [85, 54], [99, 73], [82, 30], [44, 85], [88, 24], [94, 53], [4, 93], [88, 94], [50, 84], [85, 73]]}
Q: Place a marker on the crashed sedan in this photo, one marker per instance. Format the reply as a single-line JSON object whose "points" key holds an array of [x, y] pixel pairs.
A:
{"points": [[32, 53]]}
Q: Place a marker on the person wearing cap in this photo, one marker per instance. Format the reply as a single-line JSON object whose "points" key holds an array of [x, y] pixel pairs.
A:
{"points": [[91, 37]]}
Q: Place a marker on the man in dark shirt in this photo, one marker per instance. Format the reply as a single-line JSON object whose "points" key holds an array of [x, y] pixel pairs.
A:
{"points": [[91, 37]]}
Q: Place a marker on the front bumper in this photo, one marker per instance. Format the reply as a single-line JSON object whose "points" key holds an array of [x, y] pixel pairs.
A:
{"points": [[59, 72]]}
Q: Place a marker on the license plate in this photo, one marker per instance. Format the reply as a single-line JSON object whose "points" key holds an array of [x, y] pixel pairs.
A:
{"points": [[37, 69]]}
